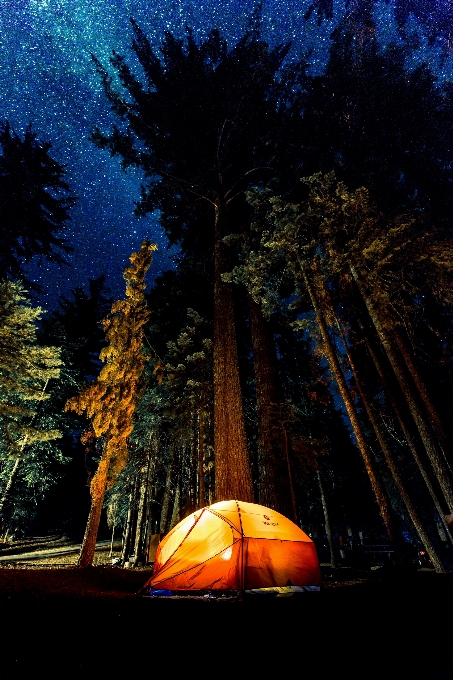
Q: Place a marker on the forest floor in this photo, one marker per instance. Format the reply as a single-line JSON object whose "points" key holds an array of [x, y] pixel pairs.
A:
{"points": [[58, 621]]}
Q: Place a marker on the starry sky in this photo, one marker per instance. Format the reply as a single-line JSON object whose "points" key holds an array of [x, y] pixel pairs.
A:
{"points": [[47, 79]]}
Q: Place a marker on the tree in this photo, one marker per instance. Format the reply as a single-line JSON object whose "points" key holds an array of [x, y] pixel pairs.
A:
{"points": [[274, 475], [390, 460], [205, 122], [323, 9], [25, 371], [380, 254], [172, 437], [34, 202], [436, 19], [333, 232], [110, 401], [378, 124], [76, 327], [386, 127], [189, 376]]}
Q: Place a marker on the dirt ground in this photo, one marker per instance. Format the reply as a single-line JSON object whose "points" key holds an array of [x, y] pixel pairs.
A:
{"points": [[61, 622]]}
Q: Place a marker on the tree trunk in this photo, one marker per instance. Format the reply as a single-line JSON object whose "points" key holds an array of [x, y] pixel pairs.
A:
{"points": [[18, 459], [195, 462], [274, 484], [128, 527], [148, 513], [424, 395], [112, 539], [404, 381], [151, 469], [166, 499], [233, 479], [290, 478], [388, 455], [407, 434], [383, 504], [175, 513], [9, 483], [97, 490], [333, 559], [201, 489], [140, 516]]}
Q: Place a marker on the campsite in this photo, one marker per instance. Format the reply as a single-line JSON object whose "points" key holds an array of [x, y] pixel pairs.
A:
{"points": [[226, 339]]}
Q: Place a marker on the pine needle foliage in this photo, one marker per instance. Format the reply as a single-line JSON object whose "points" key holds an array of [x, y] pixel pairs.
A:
{"points": [[110, 401], [35, 202], [25, 369]]}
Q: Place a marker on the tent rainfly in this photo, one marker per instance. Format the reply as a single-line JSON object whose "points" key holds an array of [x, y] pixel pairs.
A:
{"points": [[234, 545]]}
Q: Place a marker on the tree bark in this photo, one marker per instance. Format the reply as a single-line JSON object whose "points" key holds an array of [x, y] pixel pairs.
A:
{"points": [[404, 380], [333, 559], [388, 455], [97, 490], [274, 483], [233, 479], [383, 504]]}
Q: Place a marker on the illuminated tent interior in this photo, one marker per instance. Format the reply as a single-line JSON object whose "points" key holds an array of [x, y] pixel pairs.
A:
{"points": [[234, 545]]}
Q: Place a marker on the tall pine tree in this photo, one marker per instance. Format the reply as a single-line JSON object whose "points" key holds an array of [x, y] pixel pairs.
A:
{"points": [[110, 401], [25, 371], [34, 202], [206, 121]]}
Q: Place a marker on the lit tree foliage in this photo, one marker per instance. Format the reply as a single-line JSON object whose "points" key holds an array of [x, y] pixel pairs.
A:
{"points": [[169, 471], [25, 371], [76, 327], [336, 233], [25, 367], [110, 401]]}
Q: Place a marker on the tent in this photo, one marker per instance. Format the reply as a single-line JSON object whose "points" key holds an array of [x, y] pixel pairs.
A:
{"points": [[234, 545]]}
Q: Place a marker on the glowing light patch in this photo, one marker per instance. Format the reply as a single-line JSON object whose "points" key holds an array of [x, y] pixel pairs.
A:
{"points": [[227, 554]]}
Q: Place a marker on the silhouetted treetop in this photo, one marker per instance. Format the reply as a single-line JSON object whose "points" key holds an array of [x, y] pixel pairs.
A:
{"points": [[201, 124], [34, 202]]}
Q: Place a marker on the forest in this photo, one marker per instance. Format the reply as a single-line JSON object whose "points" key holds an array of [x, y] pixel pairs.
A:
{"points": [[300, 355]]}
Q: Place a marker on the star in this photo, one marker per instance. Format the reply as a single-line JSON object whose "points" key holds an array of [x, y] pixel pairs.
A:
{"points": [[48, 79]]}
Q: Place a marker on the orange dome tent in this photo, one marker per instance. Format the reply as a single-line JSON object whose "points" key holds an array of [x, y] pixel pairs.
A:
{"points": [[234, 545]]}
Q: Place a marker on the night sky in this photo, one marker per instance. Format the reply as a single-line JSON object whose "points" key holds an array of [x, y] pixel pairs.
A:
{"points": [[47, 79]]}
